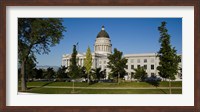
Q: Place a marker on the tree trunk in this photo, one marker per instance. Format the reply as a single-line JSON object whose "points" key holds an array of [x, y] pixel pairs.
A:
{"points": [[88, 78], [73, 86], [23, 77], [170, 91], [118, 78]]}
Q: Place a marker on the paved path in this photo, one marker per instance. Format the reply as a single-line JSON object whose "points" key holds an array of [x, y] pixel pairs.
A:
{"points": [[108, 87]]}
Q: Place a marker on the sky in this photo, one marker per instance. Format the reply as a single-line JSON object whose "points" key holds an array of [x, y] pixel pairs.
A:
{"points": [[129, 35]]}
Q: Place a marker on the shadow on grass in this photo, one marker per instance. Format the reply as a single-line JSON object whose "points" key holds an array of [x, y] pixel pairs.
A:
{"points": [[47, 84], [163, 91], [154, 83], [30, 88], [92, 82]]}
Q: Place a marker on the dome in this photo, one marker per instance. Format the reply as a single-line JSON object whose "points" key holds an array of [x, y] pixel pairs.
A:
{"points": [[102, 43], [103, 33]]}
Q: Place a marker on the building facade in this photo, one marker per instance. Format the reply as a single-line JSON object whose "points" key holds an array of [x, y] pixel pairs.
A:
{"points": [[103, 47]]}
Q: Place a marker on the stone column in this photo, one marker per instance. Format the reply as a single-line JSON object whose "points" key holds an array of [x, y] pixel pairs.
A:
{"points": [[106, 48]]}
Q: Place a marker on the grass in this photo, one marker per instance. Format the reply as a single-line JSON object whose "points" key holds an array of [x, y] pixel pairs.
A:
{"points": [[40, 87], [100, 91], [122, 84]]}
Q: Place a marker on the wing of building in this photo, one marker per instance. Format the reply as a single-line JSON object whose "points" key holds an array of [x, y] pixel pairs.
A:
{"points": [[103, 47]]}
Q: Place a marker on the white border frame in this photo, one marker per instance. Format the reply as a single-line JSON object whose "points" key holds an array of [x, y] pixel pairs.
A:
{"points": [[184, 99]]}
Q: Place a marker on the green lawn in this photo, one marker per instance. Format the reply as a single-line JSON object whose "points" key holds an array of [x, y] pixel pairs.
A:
{"points": [[122, 84], [99, 88], [104, 91]]}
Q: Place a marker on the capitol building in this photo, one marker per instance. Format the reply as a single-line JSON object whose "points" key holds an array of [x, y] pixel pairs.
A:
{"points": [[103, 47]]}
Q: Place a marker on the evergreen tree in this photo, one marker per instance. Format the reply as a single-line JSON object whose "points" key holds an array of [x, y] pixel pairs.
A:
{"points": [[73, 68], [169, 60], [117, 64], [88, 63]]}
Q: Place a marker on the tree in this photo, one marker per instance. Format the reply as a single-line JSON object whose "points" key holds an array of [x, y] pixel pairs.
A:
{"points": [[169, 60], [82, 71], [29, 68], [73, 68], [38, 73], [97, 73], [50, 73], [88, 63], [117, 64], [140, 74], [36, 35], [61, 73]]}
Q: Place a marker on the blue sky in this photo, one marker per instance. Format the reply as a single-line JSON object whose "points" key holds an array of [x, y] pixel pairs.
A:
{"points": [[129, 35]]}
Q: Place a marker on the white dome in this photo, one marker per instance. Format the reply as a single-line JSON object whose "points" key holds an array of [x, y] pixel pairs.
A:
{"points": [[103, 44]]}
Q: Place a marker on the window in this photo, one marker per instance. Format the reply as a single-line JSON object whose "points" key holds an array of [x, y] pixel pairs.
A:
{"points": [[99, 62], [138, 60], [152, 74], [145, 66], [132, 66], [138, 66], [132, 74], [126, 66], [132, 60], [145, 60], [104, 62], [152, 67]]}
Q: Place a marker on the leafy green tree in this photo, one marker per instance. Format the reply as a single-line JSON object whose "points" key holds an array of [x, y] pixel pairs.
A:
{"points": [[88, 63], [140, 74], [169, 60], [38, 73], [98, 73], [117, 64], [73, 68], [82, 71], [29, 68], [61, 73], [36, 35], [50, 73]]}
